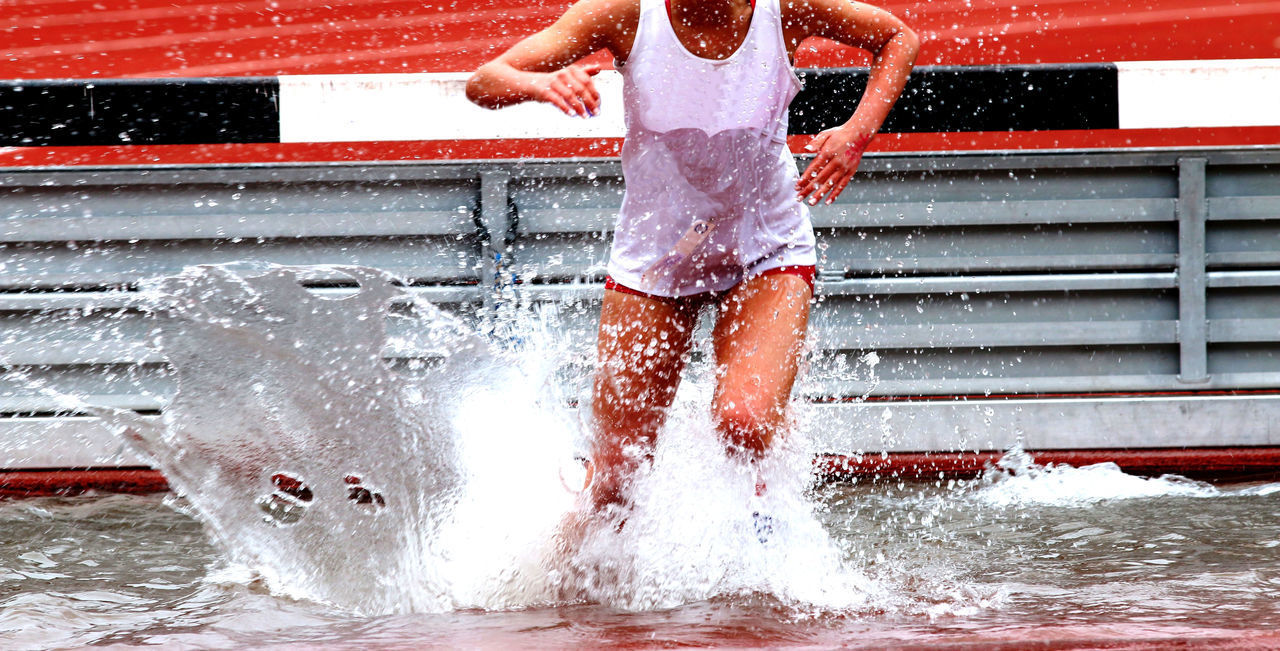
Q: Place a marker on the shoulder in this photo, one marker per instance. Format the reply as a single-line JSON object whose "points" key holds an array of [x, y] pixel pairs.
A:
{"points": [[796, 13], [604, 15], [842, 20], [611, 23]]}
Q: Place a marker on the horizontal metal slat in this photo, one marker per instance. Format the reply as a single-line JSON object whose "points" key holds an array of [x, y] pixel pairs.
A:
{"points": [[1011, 263], [566, 293], [86, 177], [943, 335], [229, 226], [1010, 283], [950, 213], [1227, 279], [1244, 259], [1091, 422], [42, 404], [570, 292], [51, 301], [77, 352], [944, 386], [1244, 208], [993, 213], [566, 220], [947, 335], [71, 351], [66, 442], [414, 258], [1244, 330]]}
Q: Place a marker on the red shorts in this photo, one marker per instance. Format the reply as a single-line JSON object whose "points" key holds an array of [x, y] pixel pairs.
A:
{"points": [[806, 272]]}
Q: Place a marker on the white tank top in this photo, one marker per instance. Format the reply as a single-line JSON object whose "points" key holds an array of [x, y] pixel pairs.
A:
{"points": [[710, 194]]}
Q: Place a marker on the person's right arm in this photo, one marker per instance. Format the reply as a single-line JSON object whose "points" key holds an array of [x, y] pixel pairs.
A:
{"points": [[541, 67]]}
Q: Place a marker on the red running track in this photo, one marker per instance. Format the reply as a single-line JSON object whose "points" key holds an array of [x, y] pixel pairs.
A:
{"points": [[188, 38], [168, 38]]}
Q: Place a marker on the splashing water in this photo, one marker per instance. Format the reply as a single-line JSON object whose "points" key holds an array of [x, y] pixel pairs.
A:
{"points": [[1018, 481], [418, 468]]}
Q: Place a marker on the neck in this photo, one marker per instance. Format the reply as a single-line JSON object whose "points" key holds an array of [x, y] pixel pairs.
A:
{"points": [[708, 13]]}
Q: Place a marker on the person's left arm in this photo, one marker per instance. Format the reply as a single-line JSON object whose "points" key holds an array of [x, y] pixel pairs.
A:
{"points": [[893, 46]]}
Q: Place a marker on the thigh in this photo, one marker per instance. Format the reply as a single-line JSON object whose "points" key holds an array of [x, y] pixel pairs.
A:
{"points": [[641, 350], [759, 341]]}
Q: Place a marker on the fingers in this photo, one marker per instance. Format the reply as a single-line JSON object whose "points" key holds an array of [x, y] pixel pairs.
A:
{"points": [[557, 98], [818, 141], [817, 172], [827, 177], [831, 187], [832, 169], [562, 95], [839, 187], [572, 90], [822, 180], [837, 182], [589, 95], [804, 184]]}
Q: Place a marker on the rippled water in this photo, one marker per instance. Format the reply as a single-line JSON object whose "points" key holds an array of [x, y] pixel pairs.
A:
{"points": [[995, 561], [366, 470]]}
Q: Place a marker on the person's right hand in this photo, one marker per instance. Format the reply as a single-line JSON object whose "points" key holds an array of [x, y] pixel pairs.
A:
{"points": [[571, 89]]}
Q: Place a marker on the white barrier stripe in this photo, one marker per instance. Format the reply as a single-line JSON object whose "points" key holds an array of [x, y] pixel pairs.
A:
{"points": [[430, 106], [1175, 94], [433, 106]]}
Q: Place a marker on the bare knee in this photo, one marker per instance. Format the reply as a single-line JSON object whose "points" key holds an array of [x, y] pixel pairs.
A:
{"points": [[746, 425]]}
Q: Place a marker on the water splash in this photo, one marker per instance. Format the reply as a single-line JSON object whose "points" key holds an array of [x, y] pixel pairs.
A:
{"points": [[286, 410], [697, 529], [375, 454], [1016, 480]]}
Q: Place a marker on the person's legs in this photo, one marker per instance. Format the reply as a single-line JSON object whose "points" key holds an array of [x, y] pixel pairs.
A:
{"points": [[759, 341], [641, 348]]}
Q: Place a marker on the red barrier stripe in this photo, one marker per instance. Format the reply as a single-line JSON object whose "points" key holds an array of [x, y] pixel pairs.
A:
{"points": [[974, 397], [44, 483], [1213, 464], [1220, 464], [513, 148]]}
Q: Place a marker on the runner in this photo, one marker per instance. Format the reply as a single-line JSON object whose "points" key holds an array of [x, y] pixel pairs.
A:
{"points": [[714, 213]]}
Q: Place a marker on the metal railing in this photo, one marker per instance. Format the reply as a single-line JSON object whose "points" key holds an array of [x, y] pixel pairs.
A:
{"points": [[1098, 273]]}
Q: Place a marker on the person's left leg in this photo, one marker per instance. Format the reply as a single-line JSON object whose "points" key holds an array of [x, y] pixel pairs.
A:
{"points": [[758, 341]]}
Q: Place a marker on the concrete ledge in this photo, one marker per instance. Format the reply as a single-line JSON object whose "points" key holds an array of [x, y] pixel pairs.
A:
{"points": [[852, 429], [1069, 423]]}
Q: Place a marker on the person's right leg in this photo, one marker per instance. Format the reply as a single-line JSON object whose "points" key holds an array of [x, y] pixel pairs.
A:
{"points": [[641, 351]]}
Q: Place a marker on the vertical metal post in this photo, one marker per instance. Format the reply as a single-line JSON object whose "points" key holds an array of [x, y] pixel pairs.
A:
{"points": [[495, 226], [1193, 324]]}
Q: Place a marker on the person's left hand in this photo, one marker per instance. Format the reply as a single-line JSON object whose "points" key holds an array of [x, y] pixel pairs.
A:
{"points": [[839, 152]]}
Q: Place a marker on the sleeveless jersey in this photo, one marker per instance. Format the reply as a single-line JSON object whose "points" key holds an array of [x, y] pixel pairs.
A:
{"points": [[710, 196]]}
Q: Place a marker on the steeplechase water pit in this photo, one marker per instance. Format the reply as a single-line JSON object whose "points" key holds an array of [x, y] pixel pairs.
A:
{"points": [[365, 457], [337, 491], [354, 342]]}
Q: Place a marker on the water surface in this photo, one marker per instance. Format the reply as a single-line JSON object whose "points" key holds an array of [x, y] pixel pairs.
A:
{"points": [[1019, 557], [365, 470]]}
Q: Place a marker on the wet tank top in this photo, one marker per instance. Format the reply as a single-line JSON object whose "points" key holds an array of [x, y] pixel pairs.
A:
{"points": [[710, 192]]}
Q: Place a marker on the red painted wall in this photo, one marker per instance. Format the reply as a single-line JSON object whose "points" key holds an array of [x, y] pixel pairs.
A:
{"points": [[167, 38]]}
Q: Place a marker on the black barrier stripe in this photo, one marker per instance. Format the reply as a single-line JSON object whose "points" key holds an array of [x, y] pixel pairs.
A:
{"points": [[960, 99], [245, 110], [139, 112]]}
